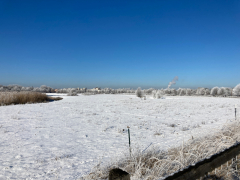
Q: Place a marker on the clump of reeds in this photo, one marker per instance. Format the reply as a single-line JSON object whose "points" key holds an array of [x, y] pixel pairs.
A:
{"points": [[9, 98]]}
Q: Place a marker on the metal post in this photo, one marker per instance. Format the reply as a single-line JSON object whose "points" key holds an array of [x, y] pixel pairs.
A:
{"points": [[235, 113], [129, 140]]}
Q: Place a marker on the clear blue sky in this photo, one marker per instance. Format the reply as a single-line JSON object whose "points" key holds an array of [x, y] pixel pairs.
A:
{"points": [[120, 44]]}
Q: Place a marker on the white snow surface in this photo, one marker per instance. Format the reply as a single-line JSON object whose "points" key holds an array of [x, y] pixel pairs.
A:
{"points": [[66, 139]]}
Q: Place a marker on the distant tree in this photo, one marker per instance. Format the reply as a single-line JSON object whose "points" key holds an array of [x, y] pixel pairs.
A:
{"points": [[227, 91], [236, 90], [139, 92], [214, 91], [159, 94], [178, 91], [154, 92], [200, 91], [207, 92], [220, 91], [173, 92], [72, 93], [182, 92], [188, 92]]}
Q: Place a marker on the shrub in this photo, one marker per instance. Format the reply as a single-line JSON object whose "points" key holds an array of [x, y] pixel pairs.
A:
{"points": [[139, 92], [182, 92], [236, 90], [207, 92], [8, 98], [72, 93], [220, 91], [188, 92], [214, 91]]}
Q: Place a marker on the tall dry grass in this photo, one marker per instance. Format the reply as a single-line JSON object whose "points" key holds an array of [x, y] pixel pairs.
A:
{"points": [[9, 98], [155, 164]]}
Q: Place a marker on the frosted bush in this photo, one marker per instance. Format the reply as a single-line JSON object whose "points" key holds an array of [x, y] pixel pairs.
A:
{"points": [[220, 91], [182, 92], [236, 90], [207, 92], [159, 94], [167, 91], [201, 91], [214, 91], [154, 92], [173, 92], [139, 92], [72, 93], [227, 91], [178, 91], [188, 92]]}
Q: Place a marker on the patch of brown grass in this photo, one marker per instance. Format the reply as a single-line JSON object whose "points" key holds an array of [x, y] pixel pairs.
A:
{"points": [[9, 98]]}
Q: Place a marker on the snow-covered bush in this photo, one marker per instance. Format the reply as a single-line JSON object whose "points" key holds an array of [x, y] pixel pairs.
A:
{"points": [[148, 91], [227, 91], [214, 91], [159, 94], [182, 92], [201, 91], [139, 92], [167, 91], [220, 91], [154, 92], [207, 92], [178, 91], [173, 92], [72, 93], [188, 92], [236, 90]]}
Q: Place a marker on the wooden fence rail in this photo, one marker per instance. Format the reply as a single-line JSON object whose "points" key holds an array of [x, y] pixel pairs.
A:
{"points": [[203, 167]]}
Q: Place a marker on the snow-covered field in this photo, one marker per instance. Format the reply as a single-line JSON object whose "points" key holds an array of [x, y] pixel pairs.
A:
{"points": [[66, 139]]}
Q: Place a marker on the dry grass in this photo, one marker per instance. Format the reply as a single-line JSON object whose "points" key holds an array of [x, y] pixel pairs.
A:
{"points": [[9, 98], [155, 164]]}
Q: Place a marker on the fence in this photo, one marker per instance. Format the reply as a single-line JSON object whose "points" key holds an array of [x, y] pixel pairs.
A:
{"points": [[202, 168]]}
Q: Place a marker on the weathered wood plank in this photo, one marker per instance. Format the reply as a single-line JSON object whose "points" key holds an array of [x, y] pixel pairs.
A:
{"points": [[207, 165]]}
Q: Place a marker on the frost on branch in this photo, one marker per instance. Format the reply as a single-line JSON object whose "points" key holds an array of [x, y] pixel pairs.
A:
{"points": [[236, 90], [214, 91]]}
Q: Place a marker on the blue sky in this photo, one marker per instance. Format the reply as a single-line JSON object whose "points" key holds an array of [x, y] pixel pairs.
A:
{"points": [[120, 44]]}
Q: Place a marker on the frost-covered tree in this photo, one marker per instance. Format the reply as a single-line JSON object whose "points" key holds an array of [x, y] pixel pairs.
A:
{"points": [[207, 92], [227, 91], [201, 91], [173, 92], [182, 92], [188, 92], [220, 91], [72, 93], [178, 91], [139, 92], [167, 91], [159, 94], [236, 90], [148, 91], [154, 92], [214, 91]]}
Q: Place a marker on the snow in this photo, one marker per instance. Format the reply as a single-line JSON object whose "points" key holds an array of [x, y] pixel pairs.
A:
{"points": [[66, 139]]}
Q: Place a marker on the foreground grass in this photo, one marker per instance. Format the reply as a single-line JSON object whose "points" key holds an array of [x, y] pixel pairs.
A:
{"points": [[9, 98], [155, 164]]}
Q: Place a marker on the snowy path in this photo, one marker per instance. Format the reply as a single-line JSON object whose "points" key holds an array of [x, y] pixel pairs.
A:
{"points": [[65, 139]]}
